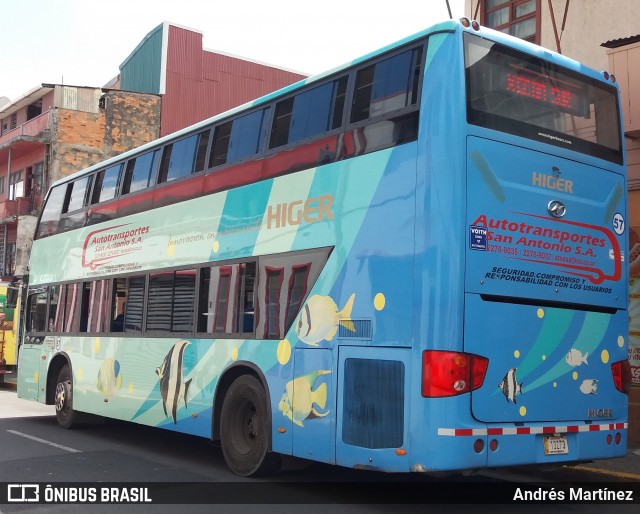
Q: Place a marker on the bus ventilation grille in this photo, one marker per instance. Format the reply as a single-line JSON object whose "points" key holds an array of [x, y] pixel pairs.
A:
{"points": [[373, 400], [355, 329]]}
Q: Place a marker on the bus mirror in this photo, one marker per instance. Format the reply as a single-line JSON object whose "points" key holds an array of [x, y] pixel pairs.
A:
{"points": [[12, 297]]}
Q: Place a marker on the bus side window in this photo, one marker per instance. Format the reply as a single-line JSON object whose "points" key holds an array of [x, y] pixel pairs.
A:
{"points": [[106, 184], [66, 319], [77, 194], [139, 172], [239, 139], [37, 311], [386, 98], [178, 159], [118, 304], [184, 295], [226, 300], [285, 281], [309, 113], [220, 147], [387, 86], [94, 307], [55, 319], [201, 153], [170, 301], [134, 306], [52, 210], [159, 304]]}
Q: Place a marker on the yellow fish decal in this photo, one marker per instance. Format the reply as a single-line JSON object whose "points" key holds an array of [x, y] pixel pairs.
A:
{"points": [[297, 402], [109, 378], [320, 317]]}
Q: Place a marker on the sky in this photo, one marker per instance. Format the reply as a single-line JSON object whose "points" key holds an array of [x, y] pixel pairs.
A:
{"points": [[83, 43]]}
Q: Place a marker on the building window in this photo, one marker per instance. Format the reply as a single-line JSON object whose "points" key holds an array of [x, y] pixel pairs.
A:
{"points": [[1, 185], [520, 18], [10, 260], [34, 110], [16, 185], [36, 178]]}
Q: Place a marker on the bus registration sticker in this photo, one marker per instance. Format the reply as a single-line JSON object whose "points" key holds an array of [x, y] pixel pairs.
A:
{"points": [[556, 445]]}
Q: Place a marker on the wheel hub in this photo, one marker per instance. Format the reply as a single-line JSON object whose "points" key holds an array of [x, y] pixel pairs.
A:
{"points": [[62, 396], [252, 425]]}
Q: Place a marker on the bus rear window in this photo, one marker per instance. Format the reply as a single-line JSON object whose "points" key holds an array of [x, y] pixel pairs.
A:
{"points": [[516, 93]]}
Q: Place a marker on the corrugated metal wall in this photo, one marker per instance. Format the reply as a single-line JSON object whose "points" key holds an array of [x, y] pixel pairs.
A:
{"points": [[200, 84], [84, 99], [141, 71]]}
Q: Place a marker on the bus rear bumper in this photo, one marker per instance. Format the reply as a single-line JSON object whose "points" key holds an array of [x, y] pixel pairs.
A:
{"points": [[491, 447]]}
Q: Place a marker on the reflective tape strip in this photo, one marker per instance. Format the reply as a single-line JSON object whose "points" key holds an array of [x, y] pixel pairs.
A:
{"points": [[560, 429]]}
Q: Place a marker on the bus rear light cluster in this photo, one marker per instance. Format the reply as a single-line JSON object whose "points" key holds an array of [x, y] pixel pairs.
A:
{"points": [[621, 371], [466, 23], [451, 373], [609, 76]]}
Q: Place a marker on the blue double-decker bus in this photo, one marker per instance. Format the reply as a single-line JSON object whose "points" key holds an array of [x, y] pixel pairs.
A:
{"points": [[415, 262]]}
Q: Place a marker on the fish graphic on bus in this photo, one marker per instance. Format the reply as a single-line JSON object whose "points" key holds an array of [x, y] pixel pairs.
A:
{"points": [[589, 386], [320, 317], [109, 378], [299, 397], [172, 385], [510, 386], [575, 358]]}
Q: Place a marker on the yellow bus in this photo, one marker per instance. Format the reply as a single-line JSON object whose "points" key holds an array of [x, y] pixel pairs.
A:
{"points": [[9, 324]]}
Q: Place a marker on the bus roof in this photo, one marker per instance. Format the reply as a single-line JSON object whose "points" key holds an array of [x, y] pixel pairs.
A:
{"points": [[448, 25], [445, 26]]}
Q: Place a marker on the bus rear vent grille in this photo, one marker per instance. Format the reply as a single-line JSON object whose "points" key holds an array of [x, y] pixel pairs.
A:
{"points": [[355, 329], [373, 415]]}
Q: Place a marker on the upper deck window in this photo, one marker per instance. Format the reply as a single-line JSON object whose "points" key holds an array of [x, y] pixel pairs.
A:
{"points": [[78, 193], [309, 113], [178, 159], [48, 223], [387, 86], [106, 184], [140, 172], [514, 92], [239, 139]]}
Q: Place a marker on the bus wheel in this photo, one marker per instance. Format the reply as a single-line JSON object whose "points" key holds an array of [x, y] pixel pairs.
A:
{"points": [[64, 398], [245, 429]]}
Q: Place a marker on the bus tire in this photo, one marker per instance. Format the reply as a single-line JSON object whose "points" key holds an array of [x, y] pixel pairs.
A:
{"points": [[245, 429], [63, 398]]}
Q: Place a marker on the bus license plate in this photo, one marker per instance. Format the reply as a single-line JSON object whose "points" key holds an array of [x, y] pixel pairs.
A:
{"points": [[556, 445]]}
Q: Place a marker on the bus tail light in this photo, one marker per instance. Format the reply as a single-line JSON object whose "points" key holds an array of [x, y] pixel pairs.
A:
{"points": [[621, 371], [451, 373]]}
